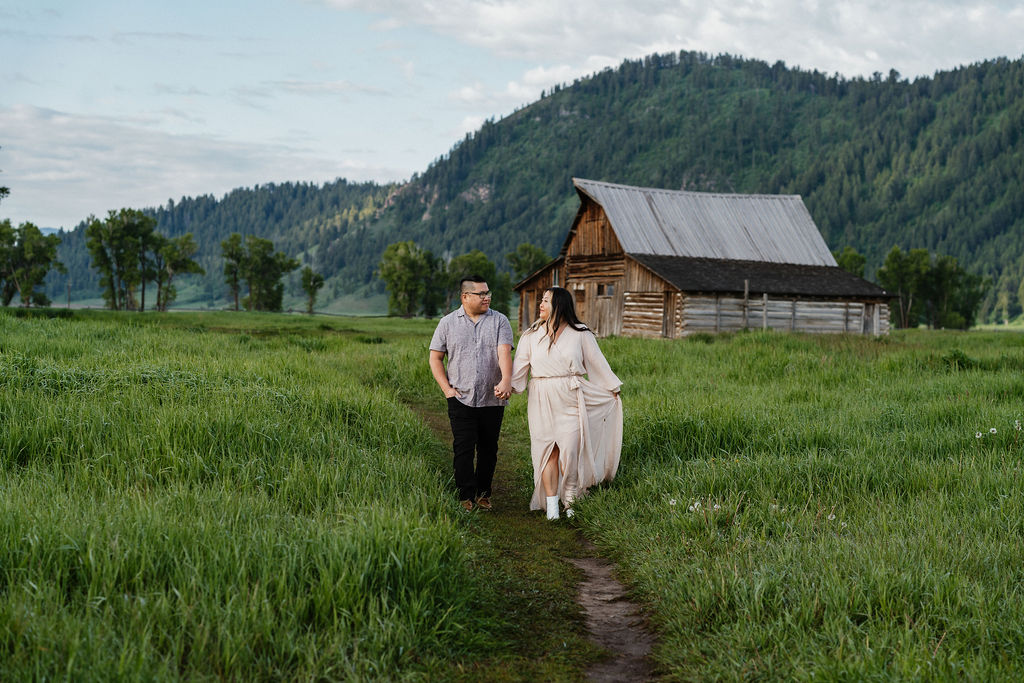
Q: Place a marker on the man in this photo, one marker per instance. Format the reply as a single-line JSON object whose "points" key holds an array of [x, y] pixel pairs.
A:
{"points": [[477, 384]]}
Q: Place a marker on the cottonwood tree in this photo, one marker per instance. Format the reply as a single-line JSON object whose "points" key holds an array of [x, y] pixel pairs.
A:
{"points": [[526, 259], [312, 282], [936, 291], [172, 258], [408, 272], [26, 256], [120, 248], [256, 264], [129, 253], [263, 271], [234, 259], [477, 263], [951, 295], [850, 261], [903, 274]]}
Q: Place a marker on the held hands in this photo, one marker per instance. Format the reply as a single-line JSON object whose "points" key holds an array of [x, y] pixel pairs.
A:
{"points": [[503, 390]]}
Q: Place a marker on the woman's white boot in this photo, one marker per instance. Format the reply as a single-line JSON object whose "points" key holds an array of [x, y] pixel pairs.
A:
{"points": [[552, 507]]}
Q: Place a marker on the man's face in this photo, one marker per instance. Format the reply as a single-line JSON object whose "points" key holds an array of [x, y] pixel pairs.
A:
{"points": [[477, 299]]}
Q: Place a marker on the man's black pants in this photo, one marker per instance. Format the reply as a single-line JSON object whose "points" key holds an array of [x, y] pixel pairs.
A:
{"points": [[474, 432]]}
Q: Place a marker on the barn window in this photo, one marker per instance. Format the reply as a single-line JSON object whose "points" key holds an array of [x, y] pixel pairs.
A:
{"points": [[605, 290]]}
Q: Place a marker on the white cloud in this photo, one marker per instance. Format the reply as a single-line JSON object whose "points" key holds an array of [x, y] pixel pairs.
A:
{"points": [[474, 94], [314, 88], [62, 167], [406, 68], [853, 38], [469, 124]]}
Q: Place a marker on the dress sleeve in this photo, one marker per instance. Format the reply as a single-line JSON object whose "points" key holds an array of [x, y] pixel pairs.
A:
{"points": [[521, 364], [598, 370]]}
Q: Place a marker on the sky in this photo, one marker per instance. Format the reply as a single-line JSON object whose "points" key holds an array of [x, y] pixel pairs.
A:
{"points": [[109, 104]]}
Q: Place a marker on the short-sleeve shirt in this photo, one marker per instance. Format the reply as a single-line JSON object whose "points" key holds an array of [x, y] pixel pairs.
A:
{"points": [[472, 350]]}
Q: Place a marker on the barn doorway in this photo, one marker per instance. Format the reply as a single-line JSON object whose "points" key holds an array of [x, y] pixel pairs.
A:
{"points": [[668, 315]]}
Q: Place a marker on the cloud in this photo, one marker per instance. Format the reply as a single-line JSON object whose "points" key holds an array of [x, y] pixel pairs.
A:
{"points": [[182, 91], [317, 88], [62, 167], [916, 37], [148, 37], [469, 124], [260, 95]]}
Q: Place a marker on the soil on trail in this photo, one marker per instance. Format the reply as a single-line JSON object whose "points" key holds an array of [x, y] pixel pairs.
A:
{"points": [[613, 622]]}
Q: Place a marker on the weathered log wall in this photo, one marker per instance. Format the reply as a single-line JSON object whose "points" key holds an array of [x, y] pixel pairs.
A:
{"points": [[722, 313]]}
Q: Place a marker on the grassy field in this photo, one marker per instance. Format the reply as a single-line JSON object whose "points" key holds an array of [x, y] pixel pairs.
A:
{"points": [[230, 495], [829, 508]]}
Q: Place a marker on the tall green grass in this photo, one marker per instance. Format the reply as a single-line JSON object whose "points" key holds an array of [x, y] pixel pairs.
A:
{"points": [[830, 508], [234, 498], [248, 497]]}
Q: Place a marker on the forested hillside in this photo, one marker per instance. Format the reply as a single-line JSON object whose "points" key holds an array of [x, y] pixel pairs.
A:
{"points": [[935, 162]]}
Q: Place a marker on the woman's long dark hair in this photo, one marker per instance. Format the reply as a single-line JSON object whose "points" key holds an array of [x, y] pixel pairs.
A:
{"points": [[563, 311]]}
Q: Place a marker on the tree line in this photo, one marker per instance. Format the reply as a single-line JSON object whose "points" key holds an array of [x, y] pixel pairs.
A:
{"points": [[26, 257], [128, 253], [420, 283], [929, 289]]}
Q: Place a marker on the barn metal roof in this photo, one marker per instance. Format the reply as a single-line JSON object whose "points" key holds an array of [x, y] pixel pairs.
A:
{"points": [[743, 227]]}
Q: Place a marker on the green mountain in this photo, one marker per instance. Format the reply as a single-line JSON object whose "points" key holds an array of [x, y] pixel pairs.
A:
{"points": [[935, 162]]}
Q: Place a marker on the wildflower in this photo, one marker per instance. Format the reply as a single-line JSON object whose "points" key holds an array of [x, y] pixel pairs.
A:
{"points": [[992, 431], [717, 506], [831, 516], [672, 501], [977, 435], [1016, 425], [842, 525]]}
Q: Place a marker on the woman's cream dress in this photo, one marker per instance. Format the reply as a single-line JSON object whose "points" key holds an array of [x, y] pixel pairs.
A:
{"points": [[572, 404]]}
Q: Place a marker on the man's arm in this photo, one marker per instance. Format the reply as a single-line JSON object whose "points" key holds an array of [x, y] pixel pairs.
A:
{"points": [[440, 376], [504, 387]]}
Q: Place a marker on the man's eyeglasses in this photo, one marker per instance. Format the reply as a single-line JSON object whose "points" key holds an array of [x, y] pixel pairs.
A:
{"points": [[482, 295]]}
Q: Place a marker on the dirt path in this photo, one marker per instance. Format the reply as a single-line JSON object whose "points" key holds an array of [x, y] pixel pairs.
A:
{"points": [[614, 624], [613, 621]]}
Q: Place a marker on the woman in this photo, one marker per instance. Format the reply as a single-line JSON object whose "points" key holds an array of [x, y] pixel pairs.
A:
{"points": [[575, 422]]}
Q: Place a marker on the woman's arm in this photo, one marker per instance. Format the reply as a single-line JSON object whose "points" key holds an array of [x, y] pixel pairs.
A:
{"points": [[594, 362], [521, 364]]}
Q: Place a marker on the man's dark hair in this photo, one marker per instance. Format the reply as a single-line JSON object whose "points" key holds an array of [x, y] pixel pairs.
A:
{"points": [[470, 278]]}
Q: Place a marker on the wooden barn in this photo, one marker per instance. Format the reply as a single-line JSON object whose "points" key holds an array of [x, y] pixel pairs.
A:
{"points": [[664, 263]]}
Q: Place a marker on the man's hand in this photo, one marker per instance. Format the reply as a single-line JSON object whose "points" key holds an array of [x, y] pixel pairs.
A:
{"points": [[503, 389], [452, 392]]}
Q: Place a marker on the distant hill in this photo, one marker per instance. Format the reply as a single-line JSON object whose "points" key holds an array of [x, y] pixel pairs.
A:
{"points": [[935, 162]]}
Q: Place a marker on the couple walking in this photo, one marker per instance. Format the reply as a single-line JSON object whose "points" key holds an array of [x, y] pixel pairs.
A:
{"points": [[574, 411]]}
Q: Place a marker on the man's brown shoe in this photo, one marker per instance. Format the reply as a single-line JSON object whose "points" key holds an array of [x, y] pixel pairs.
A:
{"points": [[467, 505], [484, 502]]}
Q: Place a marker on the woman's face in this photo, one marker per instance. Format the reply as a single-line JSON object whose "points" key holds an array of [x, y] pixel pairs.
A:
{"points": [[545, 306]]}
